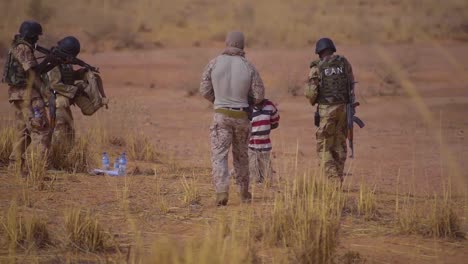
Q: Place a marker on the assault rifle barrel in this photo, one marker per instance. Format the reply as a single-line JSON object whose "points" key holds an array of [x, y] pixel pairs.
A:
{"points": [[63, 56]]}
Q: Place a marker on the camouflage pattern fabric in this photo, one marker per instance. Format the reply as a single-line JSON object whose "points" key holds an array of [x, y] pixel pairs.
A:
{"points": [[224, 132], [54, 80], [312, 90], [260, 166], [92, 100], [334, 80], [331, 140], [23, 55], [30, 130], [64, 131]]}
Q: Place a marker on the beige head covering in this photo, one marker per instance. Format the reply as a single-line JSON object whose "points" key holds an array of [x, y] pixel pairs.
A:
{"points": [[235, 39]]}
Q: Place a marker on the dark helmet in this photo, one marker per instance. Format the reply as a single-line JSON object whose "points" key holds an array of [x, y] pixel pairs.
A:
{"points": [[69, 45], [323, 44], [30, 29]]}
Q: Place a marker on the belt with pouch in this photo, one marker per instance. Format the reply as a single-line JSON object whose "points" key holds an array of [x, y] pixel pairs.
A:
{"points": [[234, 112]]}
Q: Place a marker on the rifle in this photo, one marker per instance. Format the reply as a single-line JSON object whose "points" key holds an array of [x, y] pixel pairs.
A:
{"points": [[64, 58], [351, 118], [52, 111]]}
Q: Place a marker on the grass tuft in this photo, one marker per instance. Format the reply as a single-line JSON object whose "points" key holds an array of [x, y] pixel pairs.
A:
{"points": [[442, 221], [306, 220], [139, 147], [84, 231], [36, 162], [7, 135], [25, 232], [191, 191], [78, 158], [224, 243], [367, 205]]}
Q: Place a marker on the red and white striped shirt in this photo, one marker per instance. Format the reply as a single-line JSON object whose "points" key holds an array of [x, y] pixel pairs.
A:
{"points": [[263, 121]]}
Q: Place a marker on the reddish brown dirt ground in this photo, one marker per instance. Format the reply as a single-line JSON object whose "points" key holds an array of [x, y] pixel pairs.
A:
{"points": [[407, 146]]}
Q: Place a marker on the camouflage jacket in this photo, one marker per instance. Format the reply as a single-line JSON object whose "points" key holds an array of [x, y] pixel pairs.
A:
{"points": [[23, 53], [54, 81]]}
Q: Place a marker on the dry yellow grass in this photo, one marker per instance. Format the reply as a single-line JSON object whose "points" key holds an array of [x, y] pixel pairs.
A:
{"points": [[24, 232], [84, 231], [367, 204], [36, 164], [191, 191], [436, 217], [7, 135], [139, 147]]}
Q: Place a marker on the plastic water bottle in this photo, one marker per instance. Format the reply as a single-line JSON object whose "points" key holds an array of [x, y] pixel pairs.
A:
{"points": [[122, 164], [37, 113], [105, 161], [117, 164]]}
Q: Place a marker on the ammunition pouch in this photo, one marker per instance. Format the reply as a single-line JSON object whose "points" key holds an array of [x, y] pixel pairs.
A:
{"points": [[317, 119]]}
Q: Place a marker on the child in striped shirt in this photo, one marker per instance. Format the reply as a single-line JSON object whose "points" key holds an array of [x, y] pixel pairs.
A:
{"points": [[265, 117]]}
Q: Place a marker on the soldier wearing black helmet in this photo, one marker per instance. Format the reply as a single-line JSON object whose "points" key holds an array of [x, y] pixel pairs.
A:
{"points": [[27, 95], [330, 85], [69, 86]]}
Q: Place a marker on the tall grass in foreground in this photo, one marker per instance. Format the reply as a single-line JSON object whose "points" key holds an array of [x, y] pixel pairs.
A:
{"points": [[301, 227], [367, 205], [434, 217], [7, 135], [227, 242], [36, 163], [306, 220], [84, 232], [24, 232]]}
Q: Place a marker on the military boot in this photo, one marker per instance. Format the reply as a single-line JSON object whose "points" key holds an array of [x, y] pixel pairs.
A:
{"points": [[222, 198], [246, 196]]}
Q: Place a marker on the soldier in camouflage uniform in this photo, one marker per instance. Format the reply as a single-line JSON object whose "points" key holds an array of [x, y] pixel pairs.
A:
{"points": [[230, 82], [27, 95], [63, 80], [330, 85]]}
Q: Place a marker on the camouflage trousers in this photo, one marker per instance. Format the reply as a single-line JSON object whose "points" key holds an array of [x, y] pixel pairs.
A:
{"points": [[331, 140], [224, 132], [64, 132], [31, 131], [260, 166]]}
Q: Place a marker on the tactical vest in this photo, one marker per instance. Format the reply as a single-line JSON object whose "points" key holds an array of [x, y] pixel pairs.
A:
{"points": [[67, 73], [13, 72], [334, 82]]}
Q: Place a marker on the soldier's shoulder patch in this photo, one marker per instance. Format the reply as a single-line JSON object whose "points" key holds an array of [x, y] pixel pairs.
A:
{"points": [[315, 63]]}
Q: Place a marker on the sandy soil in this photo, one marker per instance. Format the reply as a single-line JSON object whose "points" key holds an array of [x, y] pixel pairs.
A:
{"points": [[406, 145]]}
